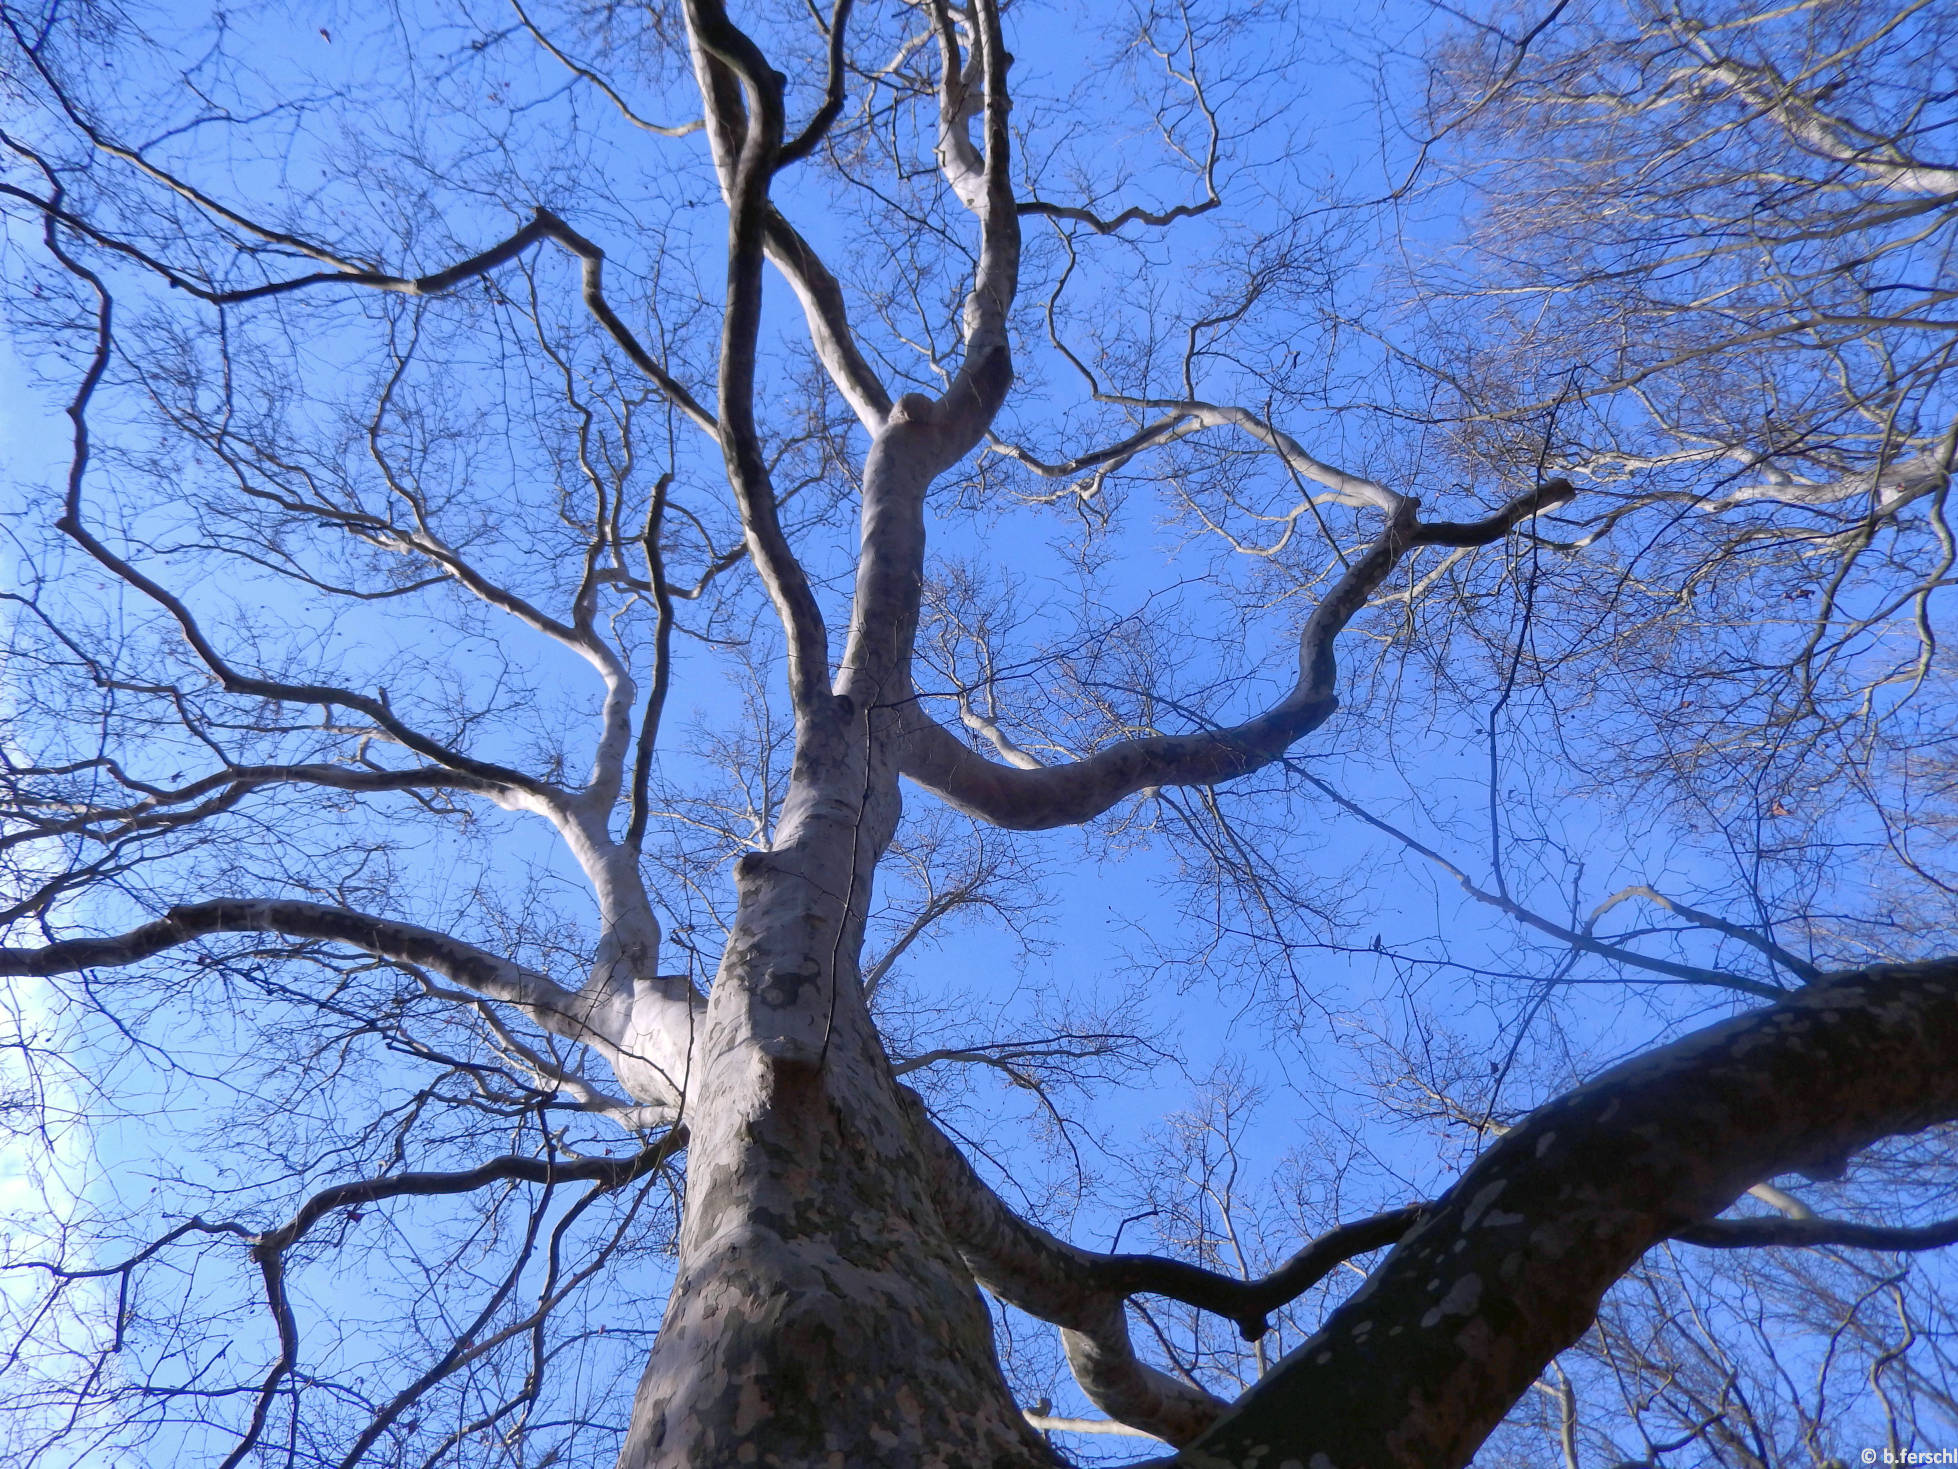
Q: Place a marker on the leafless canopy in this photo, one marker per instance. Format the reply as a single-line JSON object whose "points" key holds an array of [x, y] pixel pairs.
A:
{"points": [[495, 769]]}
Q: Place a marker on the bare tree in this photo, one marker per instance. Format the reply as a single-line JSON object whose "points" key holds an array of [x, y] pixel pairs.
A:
{"points": [[400, 377]]}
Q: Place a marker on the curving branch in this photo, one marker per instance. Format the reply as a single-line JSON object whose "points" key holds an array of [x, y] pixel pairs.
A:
{"points": [[586, 74], [543, 225], [269, 1251], [515, 1168], [1753, 938], [1585, 939], [743, 97], [507, 785], [1178, 419], [1084, 1293], [923, 437], [1888, 487], [460, 962], [1508, 1269], [823, 306], [1136, 214], [1027, 1267], [806, 142], [1068, 794], [828, 318], [1762, 89], [210, 794], [646, 1043]]}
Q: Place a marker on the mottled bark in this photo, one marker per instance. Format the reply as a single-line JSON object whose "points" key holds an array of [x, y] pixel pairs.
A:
{"points": [[826, 1308], [820, 1315], [1419, 1367]]}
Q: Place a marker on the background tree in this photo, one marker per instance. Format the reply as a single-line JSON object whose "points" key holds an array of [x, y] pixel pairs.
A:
{"points": [[434, 426]]}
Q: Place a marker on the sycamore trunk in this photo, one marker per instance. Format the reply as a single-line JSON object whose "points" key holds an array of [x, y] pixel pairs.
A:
{"points": [[820, 1316]]}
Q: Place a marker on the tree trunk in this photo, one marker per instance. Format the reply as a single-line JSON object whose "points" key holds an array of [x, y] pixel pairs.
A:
{"points": [[819, 1316]]}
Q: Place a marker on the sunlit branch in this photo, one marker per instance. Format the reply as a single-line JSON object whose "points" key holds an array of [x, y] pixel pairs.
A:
{"points": [[550, 1072], [1760, 86], [630, 939], [829, 322], [1048, 1423], [219, 791], [1067, 794], [1009, 751], [747, 141], [1182, 417]]}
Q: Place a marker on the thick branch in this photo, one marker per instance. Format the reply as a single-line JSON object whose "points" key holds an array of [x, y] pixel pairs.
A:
{"points": [[1065, 795], [1418, 1367], [1084, 1293], [829, 322], [1833, 139], [637, 1039], [1743, 1234], [922, 438], [743, 97]]}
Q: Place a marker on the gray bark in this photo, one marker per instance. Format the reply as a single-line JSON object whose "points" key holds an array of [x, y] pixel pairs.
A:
{"points": [[820, 1314], [1423, 1362]]}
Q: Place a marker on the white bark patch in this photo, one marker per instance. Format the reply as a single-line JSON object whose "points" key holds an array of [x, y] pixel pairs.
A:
{"points": [[1543, 1143], [1462, 1299], [1484, 1197]]}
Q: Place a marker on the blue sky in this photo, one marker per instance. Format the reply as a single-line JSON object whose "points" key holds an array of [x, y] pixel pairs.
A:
{"points": [[1314, 1040]]}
